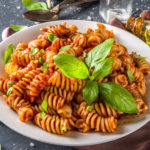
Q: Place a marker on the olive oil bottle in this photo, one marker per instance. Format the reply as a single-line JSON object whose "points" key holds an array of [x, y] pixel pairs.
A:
{"points": [[140, 28]]}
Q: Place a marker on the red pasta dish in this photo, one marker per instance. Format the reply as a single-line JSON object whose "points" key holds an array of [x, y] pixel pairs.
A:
{"points": [[66, 80]]}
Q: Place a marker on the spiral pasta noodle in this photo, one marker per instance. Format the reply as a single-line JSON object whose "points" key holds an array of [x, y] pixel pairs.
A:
{"points": [[38, 83], [20, 87], [141, 105], [11, 68], [52, 123], [59, 80], [67, 95], [97, 122], [76, 51], [142, 64], [21, 58], [4, 85], [22, 107], [20, 73], [59, 30], [104, 110]]}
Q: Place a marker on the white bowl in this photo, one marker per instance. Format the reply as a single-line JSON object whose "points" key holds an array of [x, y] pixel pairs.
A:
{"points": [[10, 118]]}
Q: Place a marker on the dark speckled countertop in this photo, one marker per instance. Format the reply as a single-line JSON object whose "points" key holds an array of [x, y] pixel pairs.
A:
{"points": [[11, 13]]}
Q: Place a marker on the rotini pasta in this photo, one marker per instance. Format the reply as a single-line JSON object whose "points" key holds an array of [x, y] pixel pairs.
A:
{"points": [[97, 122], [21, 106], [53, 124], [11, 68]]}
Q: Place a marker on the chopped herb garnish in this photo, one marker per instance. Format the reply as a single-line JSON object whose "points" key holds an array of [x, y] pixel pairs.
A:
{"points": [[33, 51], [41, 61], [98, 30], [52, 37], [42, 114], [45, 67], [11, 83], [130, 75], [89, 108], [44, 105], [65, 48], [9, 91], [20, 49], [41, 51], [62, 127]]}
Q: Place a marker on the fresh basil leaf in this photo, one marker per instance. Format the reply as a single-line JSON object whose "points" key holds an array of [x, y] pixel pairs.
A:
{"points": [[8, 52], [65, 48], [90, 91], [33, 51], [9, 91], [42, 114], [139, 57], [130, 75], [71, 67], [34, 5], [11, 83], [98, 30], [52, 37], [89, 108], [41, 51], [117, 97], [0, 147], [103, 68], [99, 53], [41, 61], [44, 105], [44, 67], [17, 27], [62, 127]]}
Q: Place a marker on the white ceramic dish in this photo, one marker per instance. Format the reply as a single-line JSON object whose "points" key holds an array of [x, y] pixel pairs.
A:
{"points": [[10, 118]]}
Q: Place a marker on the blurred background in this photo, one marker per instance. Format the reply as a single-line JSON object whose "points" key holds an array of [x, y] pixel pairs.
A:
{"points": [[101, 11]]}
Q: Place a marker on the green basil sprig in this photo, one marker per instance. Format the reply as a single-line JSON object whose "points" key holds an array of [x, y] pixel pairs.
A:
{"points": [[34, 5], [99, 53], [114, 95], [18, 27], [90, 92], [117, 97], [130, 76], [8, 52], [52, 37], [70, 66], [65, 48]]}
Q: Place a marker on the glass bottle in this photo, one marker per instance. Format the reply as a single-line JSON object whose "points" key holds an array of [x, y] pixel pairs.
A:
{"points": [[140, 28]]}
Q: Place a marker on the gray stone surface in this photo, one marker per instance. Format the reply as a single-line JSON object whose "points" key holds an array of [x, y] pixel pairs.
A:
{"points": [[11, 13]]}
